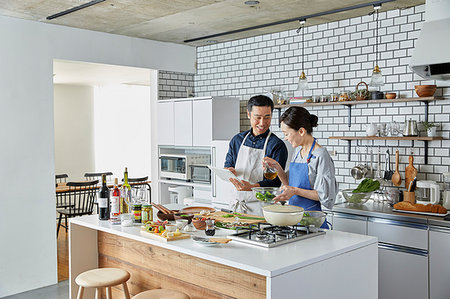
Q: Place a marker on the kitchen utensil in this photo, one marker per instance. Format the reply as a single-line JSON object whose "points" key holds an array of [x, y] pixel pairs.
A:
{"points": [[428, 190], [409, 196], [414, 184], [283, 215], [377, 95], [410, 172], [396, 178], [163, 209], [314, 218], [410, 128], [390, 95], [379, 164], [425, 90], [359, 171], [270, 173], [211, 240], [356, 198], [387, 167]]}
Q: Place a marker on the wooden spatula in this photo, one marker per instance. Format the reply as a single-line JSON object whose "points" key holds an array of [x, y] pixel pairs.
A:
{"points": [[410, 172], [396, 178]]}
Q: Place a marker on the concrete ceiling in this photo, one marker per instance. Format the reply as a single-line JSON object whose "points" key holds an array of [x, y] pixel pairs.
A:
{"points": [[95, 74], [178, 20]]}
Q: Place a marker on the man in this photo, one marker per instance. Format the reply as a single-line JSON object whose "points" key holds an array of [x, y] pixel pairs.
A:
{"points": [[246, 152]]}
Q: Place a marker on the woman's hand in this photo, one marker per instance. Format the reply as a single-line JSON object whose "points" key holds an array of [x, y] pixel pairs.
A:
{"points": [[287, 193], [242, 185], [271, 163]]}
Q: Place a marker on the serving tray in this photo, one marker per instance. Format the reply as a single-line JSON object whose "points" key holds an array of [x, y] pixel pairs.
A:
{"points": [[421, 213]]}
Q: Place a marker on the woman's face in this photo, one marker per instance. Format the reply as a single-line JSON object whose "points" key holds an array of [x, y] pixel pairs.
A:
{"points": [[294, 137]]}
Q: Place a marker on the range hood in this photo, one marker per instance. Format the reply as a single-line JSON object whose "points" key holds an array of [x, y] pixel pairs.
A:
{"points": [[431, 56]]}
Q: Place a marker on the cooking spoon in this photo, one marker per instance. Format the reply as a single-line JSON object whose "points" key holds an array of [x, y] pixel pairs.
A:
{"points": [[396, 178]]}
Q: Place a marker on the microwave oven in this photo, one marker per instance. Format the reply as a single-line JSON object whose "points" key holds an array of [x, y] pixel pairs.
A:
{"points": [[178, 166]]}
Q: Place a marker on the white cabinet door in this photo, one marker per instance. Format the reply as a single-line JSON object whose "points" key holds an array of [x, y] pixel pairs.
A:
{"points": [[402, 274], [439, 262], [182, 123], [350, 223], [202, 123], [165, 123]]}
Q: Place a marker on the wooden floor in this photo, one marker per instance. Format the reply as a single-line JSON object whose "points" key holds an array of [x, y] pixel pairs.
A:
{"points": [[63, 255]]}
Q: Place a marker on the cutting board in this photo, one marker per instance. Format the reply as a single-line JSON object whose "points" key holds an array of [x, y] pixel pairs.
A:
{"points": [[161, 238], [410, 172], [218, 217]]}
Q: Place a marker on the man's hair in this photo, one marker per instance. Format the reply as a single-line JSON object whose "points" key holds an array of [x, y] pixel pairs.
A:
{"points": [[260, 100]]}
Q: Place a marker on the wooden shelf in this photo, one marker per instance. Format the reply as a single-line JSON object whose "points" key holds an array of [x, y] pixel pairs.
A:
{"points": [[384, 138], [352, 103]]}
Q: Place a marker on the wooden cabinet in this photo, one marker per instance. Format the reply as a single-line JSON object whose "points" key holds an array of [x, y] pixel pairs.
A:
{"points": [[197, 121]]}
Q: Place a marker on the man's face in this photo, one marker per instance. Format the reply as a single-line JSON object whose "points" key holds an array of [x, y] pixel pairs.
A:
{"points": [[260, 118]]}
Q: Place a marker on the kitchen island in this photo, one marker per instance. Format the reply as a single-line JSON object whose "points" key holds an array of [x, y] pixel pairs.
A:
{"points": [[336, 264]]}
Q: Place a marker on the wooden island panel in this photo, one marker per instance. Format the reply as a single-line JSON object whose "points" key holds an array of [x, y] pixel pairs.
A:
{"points": [[153, 267]]}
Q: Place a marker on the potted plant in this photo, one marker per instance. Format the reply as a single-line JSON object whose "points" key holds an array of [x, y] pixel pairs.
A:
{"points": [[430, 128], [361, 94]]}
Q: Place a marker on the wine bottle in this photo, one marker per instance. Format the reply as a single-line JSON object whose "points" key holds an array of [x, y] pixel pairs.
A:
{"points": [[114, 214], [125, 194], [103, 200]]}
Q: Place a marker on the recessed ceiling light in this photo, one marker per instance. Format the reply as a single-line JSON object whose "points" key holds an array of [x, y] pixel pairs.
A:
{"points": [[251, 2]]}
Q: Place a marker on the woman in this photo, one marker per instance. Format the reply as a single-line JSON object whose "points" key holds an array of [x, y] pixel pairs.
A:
{"points": [[310, 182]]}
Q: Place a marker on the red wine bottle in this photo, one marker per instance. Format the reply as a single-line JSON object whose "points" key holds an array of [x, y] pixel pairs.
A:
{"points": [[103, 200]]}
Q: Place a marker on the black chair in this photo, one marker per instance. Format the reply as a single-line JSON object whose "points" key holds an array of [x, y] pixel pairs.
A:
{"points": [[91, 176], [61, 178], [81, 197], [140, 188]]}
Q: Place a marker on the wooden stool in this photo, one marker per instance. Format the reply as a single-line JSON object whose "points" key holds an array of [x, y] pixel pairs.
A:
{"points": [[161, 294], [103, 278]]}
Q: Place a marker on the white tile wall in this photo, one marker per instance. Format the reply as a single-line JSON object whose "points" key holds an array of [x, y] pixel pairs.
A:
{"points": [[174, 84], [337, 56]]}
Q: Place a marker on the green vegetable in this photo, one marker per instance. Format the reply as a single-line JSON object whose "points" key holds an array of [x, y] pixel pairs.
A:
{"points": [[259, 196], [367, 185], [267, 196], [228, 216], [160, 228]]}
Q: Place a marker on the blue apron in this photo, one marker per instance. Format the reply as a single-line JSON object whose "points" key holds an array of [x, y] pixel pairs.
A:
{"points": [[299, 177]]}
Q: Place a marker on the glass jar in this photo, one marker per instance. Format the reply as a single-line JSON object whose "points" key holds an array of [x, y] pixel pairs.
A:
{"points": [[210, 229], [334, 97], [344, 96], [147, 213], [136, 210]]}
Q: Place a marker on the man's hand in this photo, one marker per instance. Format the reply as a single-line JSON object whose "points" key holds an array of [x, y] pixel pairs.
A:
{"points": [[232, 170], [242, 185]]}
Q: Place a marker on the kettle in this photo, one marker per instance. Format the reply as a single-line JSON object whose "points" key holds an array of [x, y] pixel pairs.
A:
{"points": [[371, 130], [428, 190], [410, 128]]}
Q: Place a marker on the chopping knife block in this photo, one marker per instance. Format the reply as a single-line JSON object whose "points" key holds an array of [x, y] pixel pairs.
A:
{"points": [[410, 172]]}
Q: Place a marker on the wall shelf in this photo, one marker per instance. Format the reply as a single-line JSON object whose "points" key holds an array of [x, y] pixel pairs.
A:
{"points": [[417, 138]]}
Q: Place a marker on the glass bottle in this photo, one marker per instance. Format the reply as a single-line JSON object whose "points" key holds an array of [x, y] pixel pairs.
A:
{"points": [[114, 215], [125, 198], [103, 200]]}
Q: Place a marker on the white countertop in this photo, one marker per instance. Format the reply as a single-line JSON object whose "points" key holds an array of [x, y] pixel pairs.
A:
{"points": [[268, 262]]}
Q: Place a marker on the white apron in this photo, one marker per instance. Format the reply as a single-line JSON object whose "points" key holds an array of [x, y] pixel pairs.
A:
{"points": [[249, 168]]}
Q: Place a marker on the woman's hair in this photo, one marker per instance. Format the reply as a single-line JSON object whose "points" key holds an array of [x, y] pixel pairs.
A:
{"points": [[299, 117]]}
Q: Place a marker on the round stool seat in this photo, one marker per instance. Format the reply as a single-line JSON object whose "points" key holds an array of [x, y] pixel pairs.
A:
{"points": [[103, 277], [161, 294]]}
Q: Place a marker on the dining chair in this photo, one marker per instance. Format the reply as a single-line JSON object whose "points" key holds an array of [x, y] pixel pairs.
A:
{"points": [[61, 178], [80, 201], [90, 176], [140, 189]]}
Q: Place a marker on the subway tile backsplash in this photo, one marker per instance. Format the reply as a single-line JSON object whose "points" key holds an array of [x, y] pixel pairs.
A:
{"points": [[337, 56]]}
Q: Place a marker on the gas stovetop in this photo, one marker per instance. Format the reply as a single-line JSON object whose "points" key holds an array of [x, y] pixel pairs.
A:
{"points": [[267, 235]]}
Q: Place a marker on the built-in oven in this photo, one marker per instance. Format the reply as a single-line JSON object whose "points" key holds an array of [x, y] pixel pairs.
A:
{"points": [[178, 166]]}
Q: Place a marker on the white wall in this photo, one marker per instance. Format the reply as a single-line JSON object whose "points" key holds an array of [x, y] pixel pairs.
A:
{"points": [[74, 130], [27, 198], [122, 130]]}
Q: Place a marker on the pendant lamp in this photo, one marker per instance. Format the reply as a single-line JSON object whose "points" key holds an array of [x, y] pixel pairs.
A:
{"points": [[302, 80], [377, 78]]}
